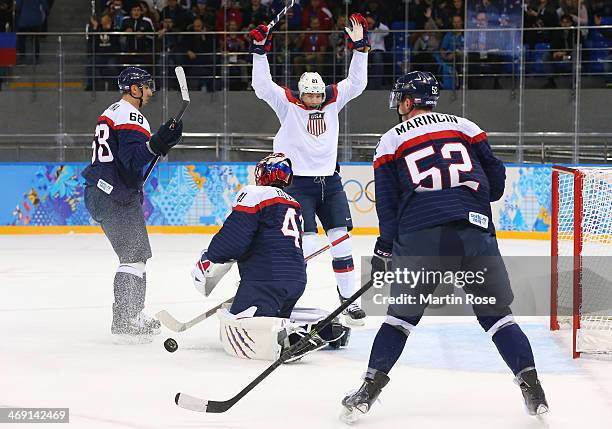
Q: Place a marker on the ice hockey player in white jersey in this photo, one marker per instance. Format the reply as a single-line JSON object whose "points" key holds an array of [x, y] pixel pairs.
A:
{"points": [[309, 136], [263, 233]]}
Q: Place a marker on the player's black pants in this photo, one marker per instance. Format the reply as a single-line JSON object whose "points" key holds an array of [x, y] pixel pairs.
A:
{"points": [[450, 251]]}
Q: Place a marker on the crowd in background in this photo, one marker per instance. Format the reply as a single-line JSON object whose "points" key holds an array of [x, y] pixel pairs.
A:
{"points": [[316, 42]]}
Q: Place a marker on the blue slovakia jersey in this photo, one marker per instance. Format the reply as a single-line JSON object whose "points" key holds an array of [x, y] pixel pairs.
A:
{"points": [[264, 234], [433, 169], [120, 151]]}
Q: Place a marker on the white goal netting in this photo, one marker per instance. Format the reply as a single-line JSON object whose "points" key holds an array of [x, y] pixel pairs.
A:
{"points": [[582, 255]]}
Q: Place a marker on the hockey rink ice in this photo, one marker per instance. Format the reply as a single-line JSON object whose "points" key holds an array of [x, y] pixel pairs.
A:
{"points": [[56, 351]]}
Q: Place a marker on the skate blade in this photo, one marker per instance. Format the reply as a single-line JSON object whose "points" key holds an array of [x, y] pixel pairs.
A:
{"points": [[126, 340], [354, 322], [349, 416]]}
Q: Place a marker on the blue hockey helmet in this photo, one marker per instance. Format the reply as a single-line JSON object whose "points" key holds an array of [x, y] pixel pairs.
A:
{"points": [[274, 170], [422, 88], [134, 76]]}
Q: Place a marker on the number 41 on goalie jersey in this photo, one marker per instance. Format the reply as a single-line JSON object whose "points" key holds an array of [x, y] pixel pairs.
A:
{"points": [[264, 234]]}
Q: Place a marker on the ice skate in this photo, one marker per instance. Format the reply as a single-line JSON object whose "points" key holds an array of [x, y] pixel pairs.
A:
{"points": [[360, 401], [136, 330], [533, 394], [353, 314]]}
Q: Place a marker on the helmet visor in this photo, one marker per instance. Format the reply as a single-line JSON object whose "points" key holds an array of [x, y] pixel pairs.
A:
{"points": [[150, 83], [395, 98]]}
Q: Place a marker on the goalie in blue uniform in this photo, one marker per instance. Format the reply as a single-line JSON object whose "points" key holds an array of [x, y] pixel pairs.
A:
{"points": [[435, 178], [263, 233]]}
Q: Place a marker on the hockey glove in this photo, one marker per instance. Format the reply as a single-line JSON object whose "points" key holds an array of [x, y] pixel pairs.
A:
{"points": [[261, 40], [166, 137], [202, 270], [381, 261], [357, 33]]}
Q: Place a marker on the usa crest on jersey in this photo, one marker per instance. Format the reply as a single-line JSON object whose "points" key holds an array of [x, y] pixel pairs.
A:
{"points": [[316, 123]]}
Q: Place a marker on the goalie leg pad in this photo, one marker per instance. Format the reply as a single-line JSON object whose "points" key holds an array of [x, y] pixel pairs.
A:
{"points": [[259, 338]]}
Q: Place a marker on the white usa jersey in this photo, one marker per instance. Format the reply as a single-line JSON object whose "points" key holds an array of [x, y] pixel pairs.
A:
{"points": [[309, 137]]}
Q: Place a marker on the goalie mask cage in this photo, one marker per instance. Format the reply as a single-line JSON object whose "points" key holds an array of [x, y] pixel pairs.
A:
{"points": [[581, 256]]}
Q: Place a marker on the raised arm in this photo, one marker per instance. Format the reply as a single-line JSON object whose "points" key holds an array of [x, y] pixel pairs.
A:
{"points": [[262, 82], [357, 78]]}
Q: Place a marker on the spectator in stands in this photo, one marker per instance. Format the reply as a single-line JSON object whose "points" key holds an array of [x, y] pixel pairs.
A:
{"points": [[319, 10], [490, 10], [539, 14], [255, 14], [6, 15], [198, 61], [180, 17], [426, 50], [285, 45], [451, 51], [117, 13], [337, 42], [103, 50], [442, 14], [235, 46], [484, 52], [29, 17], [421, 13], [229, 11], [457, 8], [378, 8], [139, 47], [206, 13], [563, 49], [149, 12], [314, 46], [579, 15], [376, 62]]}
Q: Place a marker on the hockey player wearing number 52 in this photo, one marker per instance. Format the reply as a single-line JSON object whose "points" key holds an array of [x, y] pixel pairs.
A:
{"points": [[435, 178], [308, 135], [122, 147]]}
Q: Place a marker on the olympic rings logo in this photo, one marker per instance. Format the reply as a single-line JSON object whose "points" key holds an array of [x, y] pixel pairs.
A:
{"points": [[355, 193]]}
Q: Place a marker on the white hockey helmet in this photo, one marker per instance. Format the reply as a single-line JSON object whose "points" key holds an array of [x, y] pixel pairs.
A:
{"points": [[311, 83]]}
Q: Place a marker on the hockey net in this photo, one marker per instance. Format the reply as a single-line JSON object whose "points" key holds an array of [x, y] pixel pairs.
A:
{"points": [[581, 250]]}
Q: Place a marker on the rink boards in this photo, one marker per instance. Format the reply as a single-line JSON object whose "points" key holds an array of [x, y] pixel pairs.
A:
{"points": [[196, 198]]}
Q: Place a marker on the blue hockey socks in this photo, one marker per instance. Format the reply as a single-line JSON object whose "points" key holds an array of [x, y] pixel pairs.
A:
{"points": [[387, 348], [514, 348]]}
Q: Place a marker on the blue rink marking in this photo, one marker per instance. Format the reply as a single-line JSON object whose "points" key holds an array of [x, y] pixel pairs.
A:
{"points": [[465, 347]]}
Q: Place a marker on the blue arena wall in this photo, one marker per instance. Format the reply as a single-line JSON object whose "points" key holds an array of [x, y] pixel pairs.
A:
{"points": [[201, 194]]}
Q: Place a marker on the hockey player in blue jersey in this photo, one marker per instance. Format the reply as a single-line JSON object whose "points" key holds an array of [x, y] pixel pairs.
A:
{"points": [[263, 233], [435, 178], [122, 147]]}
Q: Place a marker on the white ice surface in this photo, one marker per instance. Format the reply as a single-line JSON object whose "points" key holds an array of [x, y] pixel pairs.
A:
{"points": [[56, 351]]}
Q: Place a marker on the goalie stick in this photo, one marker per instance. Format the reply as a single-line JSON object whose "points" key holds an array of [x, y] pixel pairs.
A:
{"points": [[174, 325], [180, 76], [193, 403]]}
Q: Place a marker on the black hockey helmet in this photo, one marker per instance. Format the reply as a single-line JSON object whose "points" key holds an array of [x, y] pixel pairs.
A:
{"points": [[422, 88], [134, 76]]}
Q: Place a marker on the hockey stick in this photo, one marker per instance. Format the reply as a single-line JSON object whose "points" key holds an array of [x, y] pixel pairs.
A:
{"points": [[201, 405], [281, 14], [174, 325], [180, 76]]}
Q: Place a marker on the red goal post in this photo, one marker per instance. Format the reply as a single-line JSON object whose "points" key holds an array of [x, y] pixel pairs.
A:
{"points": [[581, 251]]}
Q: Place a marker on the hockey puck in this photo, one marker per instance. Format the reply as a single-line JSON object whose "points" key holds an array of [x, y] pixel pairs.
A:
{"points": [[171, 345]]}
